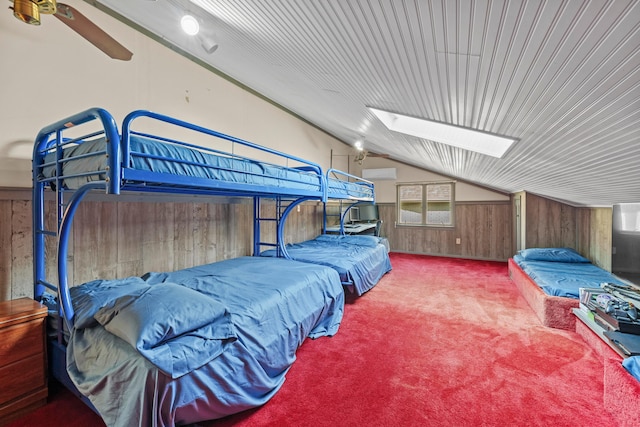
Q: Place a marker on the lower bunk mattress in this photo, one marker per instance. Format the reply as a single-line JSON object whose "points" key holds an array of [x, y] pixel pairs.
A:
{"points": [[361, 261], [550, 280], [200, 343]]}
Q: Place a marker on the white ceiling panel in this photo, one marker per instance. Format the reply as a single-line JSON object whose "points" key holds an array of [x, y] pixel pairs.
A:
{"points": [[563, 77]]}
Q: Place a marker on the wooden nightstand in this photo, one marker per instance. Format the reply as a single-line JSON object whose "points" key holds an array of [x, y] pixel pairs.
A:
{"points": [[23, 359]]}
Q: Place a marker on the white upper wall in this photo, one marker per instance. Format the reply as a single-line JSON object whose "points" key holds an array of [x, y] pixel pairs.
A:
{"points": [[49, 72]]}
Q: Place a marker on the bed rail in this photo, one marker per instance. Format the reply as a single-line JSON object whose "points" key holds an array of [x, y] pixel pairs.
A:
{"points": [[50, 144], [289, 169], [345, 186]]}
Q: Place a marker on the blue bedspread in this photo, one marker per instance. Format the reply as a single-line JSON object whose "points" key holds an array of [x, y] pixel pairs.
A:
{"points": [[273, 304], [564, 279], [361, 261]]}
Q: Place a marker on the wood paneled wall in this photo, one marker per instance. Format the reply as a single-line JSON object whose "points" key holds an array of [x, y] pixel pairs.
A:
{"points": [[549, 223], [595, 231], [554, 224], [485, 230], [120, 239]]}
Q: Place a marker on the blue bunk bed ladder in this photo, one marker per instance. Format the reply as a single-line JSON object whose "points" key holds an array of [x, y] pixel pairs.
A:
{"points": [[283, 207], [259, 217]]}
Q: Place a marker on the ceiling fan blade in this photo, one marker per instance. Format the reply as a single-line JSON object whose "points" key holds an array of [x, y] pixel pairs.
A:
{"points": [[90, 31]]}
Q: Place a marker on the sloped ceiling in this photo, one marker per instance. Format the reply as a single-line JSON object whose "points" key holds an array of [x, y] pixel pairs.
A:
{"points": [[563, 77]]}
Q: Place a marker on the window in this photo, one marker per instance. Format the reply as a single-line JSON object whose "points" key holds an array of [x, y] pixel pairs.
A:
{"points": [[430, 204]]}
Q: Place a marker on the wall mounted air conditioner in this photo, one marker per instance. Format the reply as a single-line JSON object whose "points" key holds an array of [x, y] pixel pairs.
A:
{"points": [[381, 174]]}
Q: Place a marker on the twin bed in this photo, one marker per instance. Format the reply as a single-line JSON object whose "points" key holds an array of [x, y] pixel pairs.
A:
{"points": [[180, 347], [200, 343], [550, 280], [361, 261]]}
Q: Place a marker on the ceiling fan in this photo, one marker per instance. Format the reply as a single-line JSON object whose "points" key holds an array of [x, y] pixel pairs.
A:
{"points": [[363, 154], [29, 11]]}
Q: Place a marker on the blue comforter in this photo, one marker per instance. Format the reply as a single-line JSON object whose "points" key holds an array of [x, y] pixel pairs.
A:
{"points": [[361, 261], [263, 309]]}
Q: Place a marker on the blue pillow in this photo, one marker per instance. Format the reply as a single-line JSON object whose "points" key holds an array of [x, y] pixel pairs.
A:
{"points": [[552, 255], [90, 297]]}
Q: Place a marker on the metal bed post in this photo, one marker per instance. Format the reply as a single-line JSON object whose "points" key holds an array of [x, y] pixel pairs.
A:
{"points": [[38, 237], [63, 246], [279, 236], [256, 226]]}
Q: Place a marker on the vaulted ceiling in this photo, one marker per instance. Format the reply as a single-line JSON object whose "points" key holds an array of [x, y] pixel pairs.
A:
{"points": [[563, 77]]}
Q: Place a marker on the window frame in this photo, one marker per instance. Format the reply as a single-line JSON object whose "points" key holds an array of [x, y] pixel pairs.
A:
{"points": [[424, 204]]}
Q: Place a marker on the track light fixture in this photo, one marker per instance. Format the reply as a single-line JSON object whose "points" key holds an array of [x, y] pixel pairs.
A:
{"points": [[208, 44]]}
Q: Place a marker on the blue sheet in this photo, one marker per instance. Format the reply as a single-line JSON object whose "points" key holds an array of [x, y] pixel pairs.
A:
{"points": [[361, 261], [632, 365], [564, 279], [274, 305]]}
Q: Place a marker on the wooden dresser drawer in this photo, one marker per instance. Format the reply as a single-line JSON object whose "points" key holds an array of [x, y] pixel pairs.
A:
{"points": [[21, 378], [20, 341], [23, 357]]}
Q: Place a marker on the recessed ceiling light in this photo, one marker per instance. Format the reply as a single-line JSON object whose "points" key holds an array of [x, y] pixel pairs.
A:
{"points": [[190, 25], [457, 136]]}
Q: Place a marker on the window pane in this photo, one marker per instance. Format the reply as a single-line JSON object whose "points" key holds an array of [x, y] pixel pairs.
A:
{"points": [[439, 213], [410, 204], [439, 204], [439, 192]]}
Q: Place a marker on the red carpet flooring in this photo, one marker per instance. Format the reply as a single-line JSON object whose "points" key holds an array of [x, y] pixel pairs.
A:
{"points": [[439, 342]]}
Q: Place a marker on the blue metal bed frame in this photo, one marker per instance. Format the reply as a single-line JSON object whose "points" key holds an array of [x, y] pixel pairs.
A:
{"points": [[119, 174]]}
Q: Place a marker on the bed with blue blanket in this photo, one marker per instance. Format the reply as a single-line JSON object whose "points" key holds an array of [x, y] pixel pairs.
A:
{"points": [[361, 261], [550, 280], [200, 343]]}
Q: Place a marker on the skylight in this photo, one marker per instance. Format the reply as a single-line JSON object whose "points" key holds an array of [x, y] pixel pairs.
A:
{"points": [[456, 136]]}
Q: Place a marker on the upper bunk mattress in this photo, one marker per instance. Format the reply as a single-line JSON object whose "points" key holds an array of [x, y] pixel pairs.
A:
{"points": [[344, 189], [87, 162]]}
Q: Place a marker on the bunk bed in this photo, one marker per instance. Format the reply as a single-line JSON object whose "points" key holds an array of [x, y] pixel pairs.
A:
{"points": [[227, 363], [361, 260], [550, 280]]}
